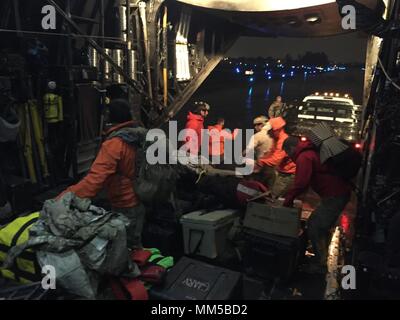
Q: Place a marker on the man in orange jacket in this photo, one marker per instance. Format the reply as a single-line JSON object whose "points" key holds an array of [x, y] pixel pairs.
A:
{"points": [[218, 135], [277, 159], [114, 169], [195, 125]]}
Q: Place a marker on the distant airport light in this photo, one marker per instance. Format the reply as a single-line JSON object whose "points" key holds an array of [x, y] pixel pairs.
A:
{"points": [[237, 70], [346, 95], [331, 94], [317, 93], [337, 94], [283, 75], [251, 79], [303, 139], [358, 146], [326, 93], [269, 78]]}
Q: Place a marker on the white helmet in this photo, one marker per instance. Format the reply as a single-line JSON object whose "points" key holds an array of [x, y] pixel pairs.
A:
{"points": [[52, 85]]}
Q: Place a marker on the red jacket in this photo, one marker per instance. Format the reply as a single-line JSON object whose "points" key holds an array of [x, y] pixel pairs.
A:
{"points": [[217, 139], [114, 169], [277, 157], [196, 123], [310, 172]]}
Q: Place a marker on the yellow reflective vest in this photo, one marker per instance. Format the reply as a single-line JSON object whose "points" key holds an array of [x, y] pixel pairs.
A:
{"points": [[53, 108], [25, 269]]}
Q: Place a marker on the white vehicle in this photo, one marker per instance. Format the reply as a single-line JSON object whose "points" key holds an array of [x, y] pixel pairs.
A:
{"points": [[339, 111]]}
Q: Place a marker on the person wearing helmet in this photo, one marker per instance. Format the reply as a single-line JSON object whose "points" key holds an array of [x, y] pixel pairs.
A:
{"points": [[277, 159], [195, 122], [260, 143]]}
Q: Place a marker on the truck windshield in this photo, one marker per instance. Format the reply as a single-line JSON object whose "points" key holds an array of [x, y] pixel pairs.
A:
{"points": [[331, 109]]}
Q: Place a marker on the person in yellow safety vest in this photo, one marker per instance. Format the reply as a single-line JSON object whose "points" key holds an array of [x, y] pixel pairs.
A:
{"points": [[53, 105]]}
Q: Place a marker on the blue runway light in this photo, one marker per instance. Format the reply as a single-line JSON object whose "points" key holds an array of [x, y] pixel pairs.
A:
{"points": [[269, 78], [251, 79], [283, 75], [237, 70]]}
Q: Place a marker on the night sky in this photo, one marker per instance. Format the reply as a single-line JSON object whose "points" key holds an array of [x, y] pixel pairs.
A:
{"points": [[344, 48]]}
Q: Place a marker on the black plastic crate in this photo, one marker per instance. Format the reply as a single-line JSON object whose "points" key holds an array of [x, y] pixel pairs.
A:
{"points": [[190, 279], [269, 256]]}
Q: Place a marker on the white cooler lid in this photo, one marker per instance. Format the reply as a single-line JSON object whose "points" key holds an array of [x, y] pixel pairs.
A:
{"points": [[209, 218]]}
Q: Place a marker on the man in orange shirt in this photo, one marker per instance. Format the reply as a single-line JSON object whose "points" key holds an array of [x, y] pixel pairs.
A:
{"points": [[114, 169], [277, 159], [217, 137]]}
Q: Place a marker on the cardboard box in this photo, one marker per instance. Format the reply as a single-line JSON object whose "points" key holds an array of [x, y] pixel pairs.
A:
{"points": [[273, 219]]}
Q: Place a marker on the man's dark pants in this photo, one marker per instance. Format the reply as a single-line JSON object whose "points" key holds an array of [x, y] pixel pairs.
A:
{"points": [[320, 223]]}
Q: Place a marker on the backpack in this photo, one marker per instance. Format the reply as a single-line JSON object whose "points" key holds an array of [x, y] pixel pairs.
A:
{"points": [[347, 163], [153, 182], [344, 160], [25, 268]]}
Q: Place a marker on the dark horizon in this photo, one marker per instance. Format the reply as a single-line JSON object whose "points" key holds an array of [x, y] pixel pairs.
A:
{"points": [[349, 48]]}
